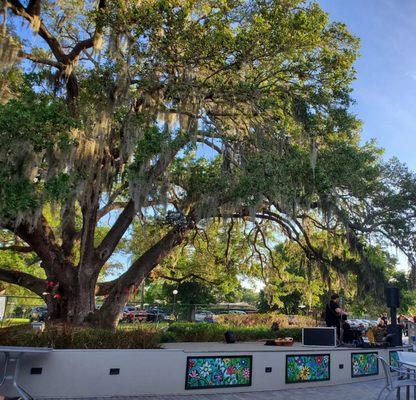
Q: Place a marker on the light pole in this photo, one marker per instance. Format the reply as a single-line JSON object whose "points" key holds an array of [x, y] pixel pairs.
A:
{"points": [[302, 307], [175, 292]]}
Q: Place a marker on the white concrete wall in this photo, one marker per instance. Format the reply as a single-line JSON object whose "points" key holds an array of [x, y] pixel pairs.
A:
{"points": [[84, 373]]}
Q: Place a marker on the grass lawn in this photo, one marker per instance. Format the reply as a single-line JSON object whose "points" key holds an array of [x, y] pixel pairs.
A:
{"points": [[14, 321], [143, 325]]}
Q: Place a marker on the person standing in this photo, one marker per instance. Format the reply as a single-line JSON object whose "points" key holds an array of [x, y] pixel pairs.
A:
{"points": [[382, 320], [333, 313]]}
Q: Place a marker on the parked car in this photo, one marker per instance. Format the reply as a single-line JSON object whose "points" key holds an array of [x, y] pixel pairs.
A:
{"points": [[237, 312], [370, 322], [353, 323], [156, 314], [204, 316], [38, 314], [364, 323], [359, 324], [129, 313], [140, 315]]}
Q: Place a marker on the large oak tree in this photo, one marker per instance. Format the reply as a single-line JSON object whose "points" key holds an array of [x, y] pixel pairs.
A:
{"points": [[181, 110]]}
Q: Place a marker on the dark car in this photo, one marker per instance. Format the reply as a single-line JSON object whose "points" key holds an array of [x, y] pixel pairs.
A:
{"points": [[133, 314], [155, 314], [38, 314]]}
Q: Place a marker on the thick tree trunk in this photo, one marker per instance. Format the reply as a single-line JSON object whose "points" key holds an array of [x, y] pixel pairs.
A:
{"points": [[69, 291], [73, 301], [412, 277], [110, 313]]}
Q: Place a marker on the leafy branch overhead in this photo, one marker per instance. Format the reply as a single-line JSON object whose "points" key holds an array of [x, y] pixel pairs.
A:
{"points": [[198, 109]]}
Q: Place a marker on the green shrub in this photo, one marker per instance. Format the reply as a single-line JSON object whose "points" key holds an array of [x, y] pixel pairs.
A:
{"points": [[142, 337], [295, 333], [266, 319], [194, 332], [207, 332], [80, 338]]}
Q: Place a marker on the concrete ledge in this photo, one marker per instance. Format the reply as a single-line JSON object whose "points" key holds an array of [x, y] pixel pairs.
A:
{"points": [[86, 373]]}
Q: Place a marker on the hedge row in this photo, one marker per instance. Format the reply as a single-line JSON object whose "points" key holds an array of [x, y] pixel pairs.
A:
{"points": [[139, 338], [81, 338], [256, 319], [206, 332]]}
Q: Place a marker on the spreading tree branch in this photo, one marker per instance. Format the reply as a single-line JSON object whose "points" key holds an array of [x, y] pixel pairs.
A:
{"points": [[32, 14], [17, 248], [110, 207], [41, 239], [36, 285], [142, 266], [41, 60], [187, 277], [18, 8]]}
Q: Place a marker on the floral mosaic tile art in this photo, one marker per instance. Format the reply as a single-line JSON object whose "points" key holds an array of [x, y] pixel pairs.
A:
{"points": [[307, 368], [221, 371], [364, 364], [393, 358]]}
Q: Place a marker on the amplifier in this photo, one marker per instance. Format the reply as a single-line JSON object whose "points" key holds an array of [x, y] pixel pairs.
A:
{"points": [[319, 337]]}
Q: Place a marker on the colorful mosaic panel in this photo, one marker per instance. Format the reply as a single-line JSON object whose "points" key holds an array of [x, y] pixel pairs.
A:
{"points": [[214, 372], [307, 368], [364, 364], [394, 358]]}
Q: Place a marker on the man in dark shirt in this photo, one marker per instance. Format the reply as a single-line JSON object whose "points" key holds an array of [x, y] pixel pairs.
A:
{"points": [[333, 313]]}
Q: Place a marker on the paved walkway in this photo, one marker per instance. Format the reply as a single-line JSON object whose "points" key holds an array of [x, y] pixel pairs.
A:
{"points": [[354, 391]]}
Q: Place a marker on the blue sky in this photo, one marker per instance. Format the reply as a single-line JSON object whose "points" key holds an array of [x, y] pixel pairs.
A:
{"points": [[385, 89]]}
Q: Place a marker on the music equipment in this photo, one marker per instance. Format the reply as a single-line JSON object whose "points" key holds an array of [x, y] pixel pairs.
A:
{"points": [[367, 345], [394, 331], [392, 297], [319, 337], [394, 335], [229, 337]]}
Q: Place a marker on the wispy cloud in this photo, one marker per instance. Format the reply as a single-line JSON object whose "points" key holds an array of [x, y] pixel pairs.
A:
{"points": [[411, 74]]}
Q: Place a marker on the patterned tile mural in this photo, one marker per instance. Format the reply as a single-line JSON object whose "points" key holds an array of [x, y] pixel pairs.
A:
{"points": [[307, 368], [214, 372], [394, 358], [364, 364]]}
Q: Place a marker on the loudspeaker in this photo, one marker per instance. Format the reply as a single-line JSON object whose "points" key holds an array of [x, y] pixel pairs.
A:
{"points": [[229, 337], [392, 297], [394, 335], [319, 337]]}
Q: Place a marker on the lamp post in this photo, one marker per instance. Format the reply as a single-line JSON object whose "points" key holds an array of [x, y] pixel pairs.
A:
{"points": [[175, 292], [302, 307]]}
